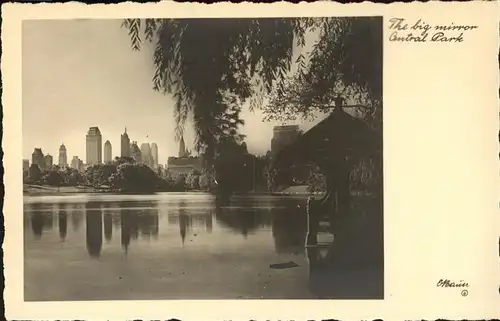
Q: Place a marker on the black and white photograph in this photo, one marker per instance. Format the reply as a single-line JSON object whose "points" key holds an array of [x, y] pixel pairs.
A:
{"points": [[203, 158]]}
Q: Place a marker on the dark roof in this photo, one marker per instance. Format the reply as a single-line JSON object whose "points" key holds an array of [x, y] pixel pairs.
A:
{"points": [[339, 132]]}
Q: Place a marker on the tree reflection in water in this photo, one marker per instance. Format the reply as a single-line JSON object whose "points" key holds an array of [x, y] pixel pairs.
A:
{"points": [[138, 219], [289, 230], [190, 218], [37, 224], [351, 267], [285, 216], [93, 217], [147, 220], [241, 215]]}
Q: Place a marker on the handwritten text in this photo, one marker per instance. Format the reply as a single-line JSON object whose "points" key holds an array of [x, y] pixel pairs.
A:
{"points": [[421, 31]]}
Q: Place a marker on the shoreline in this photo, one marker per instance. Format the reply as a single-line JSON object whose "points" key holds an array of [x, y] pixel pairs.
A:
{"points": [[45, 190]]}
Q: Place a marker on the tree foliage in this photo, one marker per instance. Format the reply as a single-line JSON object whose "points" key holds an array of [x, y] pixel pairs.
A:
{"points": [[99, 175], [123, 160], [53, 178], [346, 62], [193, 180], [207, 180], [212, 66], [134, 178], [34, 173]]}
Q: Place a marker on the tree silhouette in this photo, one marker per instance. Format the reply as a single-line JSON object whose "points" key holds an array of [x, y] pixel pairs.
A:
{"points": [[212, 66]]}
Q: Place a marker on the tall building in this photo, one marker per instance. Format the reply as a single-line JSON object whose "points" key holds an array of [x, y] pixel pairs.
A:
{"points": [[63, 158], [154, 153], [26, 164], [125, 144], [94, 146], [283, 136], [49, 161], [147, 157], [135, 152], [77, 164], [108, 156], [38, 159]]}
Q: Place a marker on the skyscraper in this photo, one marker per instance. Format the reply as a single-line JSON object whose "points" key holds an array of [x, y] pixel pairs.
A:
{"points": [[108, 156], [77, 163], [135, 152], [37, 158], [49, 160], [94, 146], [125, 144], [154, 154], [147, 157], [63, 158], [283, 136]]}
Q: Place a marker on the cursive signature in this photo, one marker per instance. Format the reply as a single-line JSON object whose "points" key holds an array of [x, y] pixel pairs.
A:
{"points": [[445, 283]]}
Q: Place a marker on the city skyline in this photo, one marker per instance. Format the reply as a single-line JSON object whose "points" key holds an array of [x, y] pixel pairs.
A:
{"points": [[104, 153], [112, 91]]}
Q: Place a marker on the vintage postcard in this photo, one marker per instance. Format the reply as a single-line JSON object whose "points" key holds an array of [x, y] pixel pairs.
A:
{"points": [[251, 161]]}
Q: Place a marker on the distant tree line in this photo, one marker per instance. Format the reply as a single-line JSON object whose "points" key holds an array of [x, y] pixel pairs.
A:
{"points": [[54, 176], [233, 171], [122, 175]]}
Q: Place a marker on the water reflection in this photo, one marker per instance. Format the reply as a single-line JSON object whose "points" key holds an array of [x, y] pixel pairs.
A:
{"points": [[238, 228], [242, 215], [41, 219], [77, 211], [63, 222], [128, 227], [148, 221], [93, 217], [108, 227], [139, 221], [289, 232], [209, 223], [135, 221], [184, 224], [37, 224]]}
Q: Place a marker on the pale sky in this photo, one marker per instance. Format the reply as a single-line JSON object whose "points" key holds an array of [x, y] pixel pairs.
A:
{"points": [[82, 73]]}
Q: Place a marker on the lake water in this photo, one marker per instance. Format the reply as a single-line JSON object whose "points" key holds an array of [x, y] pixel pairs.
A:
{"points": [[165, 246]]}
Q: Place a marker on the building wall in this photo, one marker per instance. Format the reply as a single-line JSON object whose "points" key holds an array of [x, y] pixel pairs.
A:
{"points": [[181, 169], [135, 152], [108, 155], [77, 163], [48, 161], [283, 136], [184, 164], [94, 146], [125, 146], [37, 158], [154, 154], [63, 158]]}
